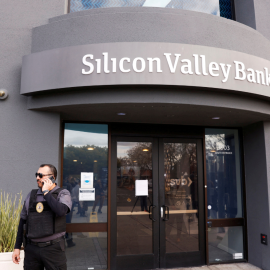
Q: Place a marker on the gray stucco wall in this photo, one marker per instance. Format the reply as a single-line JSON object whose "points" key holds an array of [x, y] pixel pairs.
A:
{"points": [[257, 166], [28, 138], [262, 11], [109, 25], [245, 13], [257, 169], [266, 249]]}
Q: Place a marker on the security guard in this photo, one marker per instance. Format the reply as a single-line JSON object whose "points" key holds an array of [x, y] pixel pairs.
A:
{"points": [[43, 219]]}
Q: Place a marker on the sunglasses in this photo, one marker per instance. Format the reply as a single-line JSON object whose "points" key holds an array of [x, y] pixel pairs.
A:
{"points": [[40, 175]]}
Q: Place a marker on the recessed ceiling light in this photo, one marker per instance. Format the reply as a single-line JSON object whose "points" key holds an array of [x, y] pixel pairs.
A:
{"points": [[74, 160], [145, 150], [121, 113], [90, 148], [95, 160], [215, 118]]}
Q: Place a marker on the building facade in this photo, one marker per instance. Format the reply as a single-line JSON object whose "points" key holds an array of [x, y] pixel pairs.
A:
{"points": [[157, 116]]}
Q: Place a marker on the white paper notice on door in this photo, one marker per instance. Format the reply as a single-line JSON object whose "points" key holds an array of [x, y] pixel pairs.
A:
{"points": [[87, 179], [141, 188], [86, 194]]}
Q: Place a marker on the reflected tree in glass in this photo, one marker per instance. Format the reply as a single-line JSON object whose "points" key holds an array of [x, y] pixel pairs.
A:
{"points": [[181, 195], [134, 228]]}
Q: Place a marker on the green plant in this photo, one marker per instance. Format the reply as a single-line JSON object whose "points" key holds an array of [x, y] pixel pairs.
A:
{"points": [[9, 221]]}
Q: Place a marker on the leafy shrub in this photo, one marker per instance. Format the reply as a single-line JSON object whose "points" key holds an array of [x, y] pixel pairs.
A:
{"points": [[9, 221]]}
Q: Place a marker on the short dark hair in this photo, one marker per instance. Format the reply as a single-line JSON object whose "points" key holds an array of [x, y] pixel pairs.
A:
{"points": [[52, 168]]}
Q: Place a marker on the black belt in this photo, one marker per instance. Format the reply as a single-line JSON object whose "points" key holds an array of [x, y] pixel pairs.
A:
{"points": [[45, 244]]}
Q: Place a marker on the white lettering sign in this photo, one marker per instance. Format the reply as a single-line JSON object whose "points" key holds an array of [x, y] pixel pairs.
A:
{"points": [[195, 65]]}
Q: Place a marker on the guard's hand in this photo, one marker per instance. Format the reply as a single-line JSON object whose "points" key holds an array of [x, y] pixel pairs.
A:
{"points": [[48, 184], [16, 256]]}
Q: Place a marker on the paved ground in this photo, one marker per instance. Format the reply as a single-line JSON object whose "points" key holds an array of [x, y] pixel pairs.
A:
{"points": [[236, 266]]}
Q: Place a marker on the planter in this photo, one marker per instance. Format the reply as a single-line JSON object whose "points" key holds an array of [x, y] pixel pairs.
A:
{"points": [[6, 261]]}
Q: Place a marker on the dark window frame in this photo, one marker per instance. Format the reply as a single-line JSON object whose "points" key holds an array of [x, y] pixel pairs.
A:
{"points": [[91, 227], [229, 222]]}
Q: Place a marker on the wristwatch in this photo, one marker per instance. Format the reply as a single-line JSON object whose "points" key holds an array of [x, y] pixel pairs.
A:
{"points": [[45, 191]]}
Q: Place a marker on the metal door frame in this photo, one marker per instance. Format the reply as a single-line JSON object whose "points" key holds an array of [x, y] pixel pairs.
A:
{"points": [[196, 258], [158, 259], [143, 261]]}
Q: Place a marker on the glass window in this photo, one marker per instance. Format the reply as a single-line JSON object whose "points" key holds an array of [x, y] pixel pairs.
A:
{"points": [[88, 250], [85, 171], [215, 7], [224, 185], [134, 228], [181, 195], [225, 244]]}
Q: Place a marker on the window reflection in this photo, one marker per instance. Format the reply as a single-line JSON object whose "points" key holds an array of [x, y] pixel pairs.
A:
{"points": [[181, 195], [88, 252], [215, 7], [224, 187], [225, 244], [134, 228], [86, 153]]}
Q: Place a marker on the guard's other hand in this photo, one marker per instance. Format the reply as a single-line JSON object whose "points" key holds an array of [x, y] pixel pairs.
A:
{"points": [[48, 184], [16, 256]]}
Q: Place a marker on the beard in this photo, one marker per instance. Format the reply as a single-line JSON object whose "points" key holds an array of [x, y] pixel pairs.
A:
{"points": [[39, 184]]}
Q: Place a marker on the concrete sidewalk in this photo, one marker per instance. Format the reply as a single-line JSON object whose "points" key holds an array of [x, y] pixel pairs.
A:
{"points": [[234, 266]]}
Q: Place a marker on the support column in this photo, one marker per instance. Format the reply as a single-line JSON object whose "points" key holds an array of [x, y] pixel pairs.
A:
{"points": [[257, 177]]}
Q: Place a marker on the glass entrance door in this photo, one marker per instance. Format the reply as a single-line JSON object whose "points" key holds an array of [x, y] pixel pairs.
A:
{"points": [[134, 168], [182, 205], [158, 203]]}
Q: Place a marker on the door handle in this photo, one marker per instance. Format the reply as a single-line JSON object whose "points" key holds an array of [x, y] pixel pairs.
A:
{"points": [[166, 215], [151, 216]]}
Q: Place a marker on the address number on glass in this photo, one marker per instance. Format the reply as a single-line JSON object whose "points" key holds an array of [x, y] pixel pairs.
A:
{"points": [[223, 148]]}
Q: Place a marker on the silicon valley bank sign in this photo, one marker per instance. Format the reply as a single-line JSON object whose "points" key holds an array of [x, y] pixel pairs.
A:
{"points": [[145, 64], [186, 67]]}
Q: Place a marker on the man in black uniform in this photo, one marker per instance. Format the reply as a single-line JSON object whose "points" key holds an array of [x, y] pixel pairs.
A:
{"points": [[43, 217]]}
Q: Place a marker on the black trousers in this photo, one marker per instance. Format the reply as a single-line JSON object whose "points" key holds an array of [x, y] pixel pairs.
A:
{"points": [[51, 257], [143, 200]]}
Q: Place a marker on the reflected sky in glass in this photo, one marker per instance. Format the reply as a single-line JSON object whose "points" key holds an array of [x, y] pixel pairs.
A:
{"points": [[79, 138], [207, 6], [123, 147], [78, 134]]}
